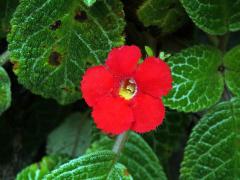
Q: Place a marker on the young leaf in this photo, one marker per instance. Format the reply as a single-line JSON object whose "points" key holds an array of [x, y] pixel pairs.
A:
{"points": [[7, 9], [214, 17], [232, 70], [72, 137], [197, 83], [36, 171], [52, 42], [166, 14], [98, 165], [5, 91], [136, 155], [213, 149], [89, 2]]}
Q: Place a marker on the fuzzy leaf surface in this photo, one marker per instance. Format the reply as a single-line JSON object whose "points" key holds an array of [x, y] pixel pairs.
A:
{"points": [[214, 17], [52, 43], [97, 165], [5, 91], [38, 170], [213, 150], [137, 156], [232, 70], [197, 83]]}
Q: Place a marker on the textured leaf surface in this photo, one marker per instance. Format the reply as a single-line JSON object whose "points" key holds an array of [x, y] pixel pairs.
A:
{"points": [[197, 83], [7, 9], [214, 17], [99, 165], [232, 70], [38, 170], [166, 14], [213, 151], [5, 90], [72, 137], [136, 155], [89, 2], [52, 42]]}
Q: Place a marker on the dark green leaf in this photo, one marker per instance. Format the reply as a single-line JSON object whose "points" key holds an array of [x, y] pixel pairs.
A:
{"points": [[166, 14], [136, 155], [213, 150], [5, 90], [7, 8], [214, 17], [98, 165], [232, 70], [72, 137], [52, 42], [197, 83], [38, 170]]}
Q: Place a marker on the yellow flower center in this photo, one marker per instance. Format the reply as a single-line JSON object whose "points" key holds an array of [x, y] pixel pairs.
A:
{"points": [[128, 89]]}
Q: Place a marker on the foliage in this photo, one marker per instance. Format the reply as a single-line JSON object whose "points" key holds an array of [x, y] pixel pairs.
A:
{"points": [[52, 42], [72, 137], [46, 129], [5, 90], [213, 150], [37, 171]]}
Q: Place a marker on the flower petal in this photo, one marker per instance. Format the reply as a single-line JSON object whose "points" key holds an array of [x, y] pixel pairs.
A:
{"points": [[148, 113], [97, 82], [112, 115], [153, 77], [123, 61]]}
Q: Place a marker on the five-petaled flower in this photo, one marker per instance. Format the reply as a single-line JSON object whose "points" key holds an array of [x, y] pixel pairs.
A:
{"points": [[126, 95]]}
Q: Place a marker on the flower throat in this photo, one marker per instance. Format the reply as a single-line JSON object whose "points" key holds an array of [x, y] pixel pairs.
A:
{"points": [[128, 89]]}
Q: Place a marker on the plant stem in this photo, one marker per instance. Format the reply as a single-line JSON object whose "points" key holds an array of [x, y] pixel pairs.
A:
{"points": [[4, 57], [119, 143], [223, 41]]}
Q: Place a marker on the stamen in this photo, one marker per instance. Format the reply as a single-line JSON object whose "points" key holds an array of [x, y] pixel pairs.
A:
{"points": [[128, 89]]}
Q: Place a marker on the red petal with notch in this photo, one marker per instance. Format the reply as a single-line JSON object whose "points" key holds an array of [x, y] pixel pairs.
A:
{"points": [[148, 113], [97, 82], [112, 115], [123, 61], [153, 77]]}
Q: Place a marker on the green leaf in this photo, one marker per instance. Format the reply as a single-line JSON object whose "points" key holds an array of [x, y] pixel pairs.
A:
{"points": [[197, 83], [214, 17], [72, 137], [149, 51], [166, 14], [232, 70], [213, 150], [7, 9], [53, 42], [5, 91], [89, 2], [98, 165], [36, 171], [136, 155]]}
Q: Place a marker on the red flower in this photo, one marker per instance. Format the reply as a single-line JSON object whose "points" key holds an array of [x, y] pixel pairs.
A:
{"points": [[127, 95]]}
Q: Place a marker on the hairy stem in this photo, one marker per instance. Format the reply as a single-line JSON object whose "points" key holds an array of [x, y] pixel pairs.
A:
{"points": [[119, 143], [4, 57]]}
